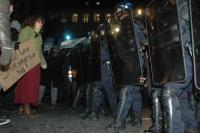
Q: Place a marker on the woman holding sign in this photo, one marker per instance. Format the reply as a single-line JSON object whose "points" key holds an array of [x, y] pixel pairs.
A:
{"points": [[27, 91]]}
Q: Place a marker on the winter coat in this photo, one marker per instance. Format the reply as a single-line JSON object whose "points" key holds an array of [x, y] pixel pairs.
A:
{"points": [[28, 33]]}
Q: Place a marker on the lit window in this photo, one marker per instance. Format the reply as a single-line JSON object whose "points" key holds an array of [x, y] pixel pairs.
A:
{"points": [[96, 17], [75, 17], [98, 3], [85, 18]]}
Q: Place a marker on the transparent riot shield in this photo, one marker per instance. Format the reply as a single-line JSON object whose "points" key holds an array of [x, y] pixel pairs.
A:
{"points": [[195, 28], [123, 49], [166, 49], [86, 65], [96, 55], [74, 63]]}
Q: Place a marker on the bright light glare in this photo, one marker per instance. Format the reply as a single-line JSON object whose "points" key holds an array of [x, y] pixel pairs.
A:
{"points": [[117, 29], [97, 3], [125, 6], [139, 11], [68, 37]]}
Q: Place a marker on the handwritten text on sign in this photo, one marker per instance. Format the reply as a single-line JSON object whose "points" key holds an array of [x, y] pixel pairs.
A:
{"points": [[23, 60]]}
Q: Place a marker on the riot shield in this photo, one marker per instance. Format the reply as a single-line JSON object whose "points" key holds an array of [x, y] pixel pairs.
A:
{"points": [[86, 65], [166, 49], [70, 63], [195, 28], [96, 55], [78, 56], [123, 50]]}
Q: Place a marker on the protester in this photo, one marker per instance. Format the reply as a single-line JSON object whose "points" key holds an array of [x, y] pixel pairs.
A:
{"points": [[27, 91], [8, 7]]}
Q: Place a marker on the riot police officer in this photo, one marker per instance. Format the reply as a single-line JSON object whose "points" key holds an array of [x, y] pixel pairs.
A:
{"points": [[105, 85], [176, 78], [130, 95], [194, 8]]}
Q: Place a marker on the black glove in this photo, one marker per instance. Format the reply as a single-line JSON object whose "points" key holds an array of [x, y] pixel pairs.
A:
{"points": [[16, 47]]}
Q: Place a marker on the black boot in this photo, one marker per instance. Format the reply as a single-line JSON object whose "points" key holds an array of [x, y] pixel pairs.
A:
{"points": [[117, 125], [153, 129], [93, 116], [136, 120], [89, 116], [85, 114]]}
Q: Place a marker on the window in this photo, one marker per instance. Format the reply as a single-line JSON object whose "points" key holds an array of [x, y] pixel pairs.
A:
{"points": [[96, 17], [75, 17], [85, 18], [98, 3]]}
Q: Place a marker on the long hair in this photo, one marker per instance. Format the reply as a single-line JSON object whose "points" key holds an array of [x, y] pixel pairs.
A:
{"points": [[39, 18], [31, 20], [28, 22]]}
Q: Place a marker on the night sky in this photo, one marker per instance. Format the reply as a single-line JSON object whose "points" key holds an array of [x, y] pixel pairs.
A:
{"points": [[28, 7], [79, 4]]}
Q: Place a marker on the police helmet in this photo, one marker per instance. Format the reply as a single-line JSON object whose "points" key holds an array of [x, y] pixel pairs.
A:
{"points": [[121, 8]]}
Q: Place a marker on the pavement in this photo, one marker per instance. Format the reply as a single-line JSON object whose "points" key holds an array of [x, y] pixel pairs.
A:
{"points": [[61, 120]]}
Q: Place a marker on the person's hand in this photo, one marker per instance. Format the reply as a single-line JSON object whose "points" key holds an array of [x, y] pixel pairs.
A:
{"points": [[4, 68], [16, 47], [142, 80], [44, 66]]}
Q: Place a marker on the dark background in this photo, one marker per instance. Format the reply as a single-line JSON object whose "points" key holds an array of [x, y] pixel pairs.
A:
{"points": [[29, 6]]}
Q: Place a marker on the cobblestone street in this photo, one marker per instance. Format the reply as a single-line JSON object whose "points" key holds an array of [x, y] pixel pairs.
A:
{"points": [[59, 120]]}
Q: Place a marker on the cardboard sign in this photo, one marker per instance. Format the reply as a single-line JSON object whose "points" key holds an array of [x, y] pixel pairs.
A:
{"points": [[23, 60]]}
